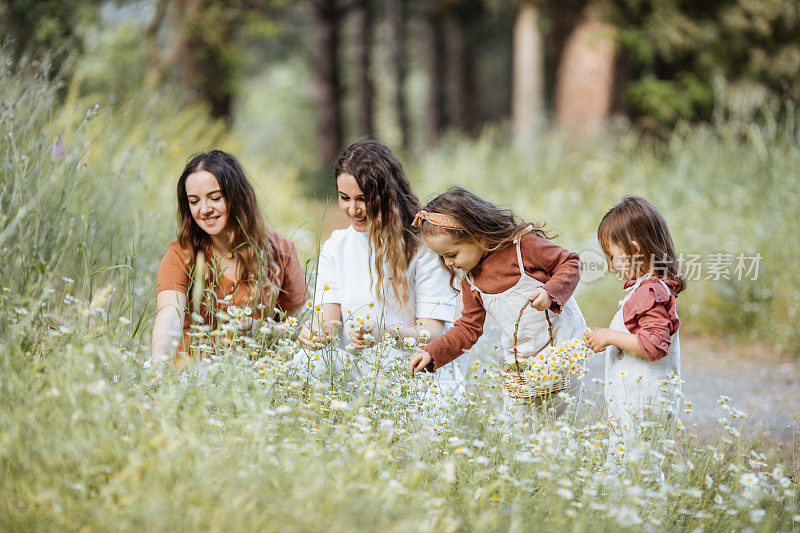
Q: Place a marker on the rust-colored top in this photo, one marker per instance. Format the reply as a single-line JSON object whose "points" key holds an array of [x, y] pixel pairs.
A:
{"points": [[556, 267], [174, 274], [651, 314]]}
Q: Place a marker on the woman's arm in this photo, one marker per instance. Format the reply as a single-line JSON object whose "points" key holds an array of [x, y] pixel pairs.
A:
{"points": [[168, 325]]}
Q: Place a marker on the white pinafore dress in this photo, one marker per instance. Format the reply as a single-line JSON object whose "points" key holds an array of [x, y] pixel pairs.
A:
{"points": [[533, 330], [639, 392]]}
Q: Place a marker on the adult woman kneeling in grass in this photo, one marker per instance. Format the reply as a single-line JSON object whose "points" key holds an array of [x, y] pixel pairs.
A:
{"points": [[376, 277], [223, 242]]}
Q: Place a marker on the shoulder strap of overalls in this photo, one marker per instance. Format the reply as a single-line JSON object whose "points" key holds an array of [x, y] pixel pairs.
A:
{"points": [[661, 281], [638, 283], [630, 290], [519, 253], [468, 277]]}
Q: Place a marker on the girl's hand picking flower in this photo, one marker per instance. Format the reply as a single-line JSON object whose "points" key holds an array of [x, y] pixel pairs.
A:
{"points": [[540, 300], [598, 339], [419, 360]]}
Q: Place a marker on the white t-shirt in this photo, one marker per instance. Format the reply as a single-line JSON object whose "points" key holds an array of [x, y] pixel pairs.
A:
{"points": [[344, 268]]}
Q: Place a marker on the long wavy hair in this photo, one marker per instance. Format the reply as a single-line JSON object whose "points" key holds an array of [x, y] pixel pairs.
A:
{"points": [[391, 206], [248, 240], [640, 230], [485, 224]]}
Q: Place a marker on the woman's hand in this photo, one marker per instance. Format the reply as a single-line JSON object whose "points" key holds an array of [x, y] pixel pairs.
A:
{"points": [[540, 300], [323, 329], [318, 335], [599, 339], [419, 360], [364, 336], [247, 326]]}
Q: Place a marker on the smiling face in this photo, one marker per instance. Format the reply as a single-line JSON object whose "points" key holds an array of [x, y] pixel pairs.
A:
{"points": [[461, 255], [206, 202], [352, 201]]}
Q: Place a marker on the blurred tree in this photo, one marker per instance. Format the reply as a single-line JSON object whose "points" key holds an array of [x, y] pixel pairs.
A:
{"points": [[365, 91], [197, 44], [460, 28], [326, 16], [397, 13], [527, 99], [585, 77], [57, 26], [433, 52], [678, 50]]}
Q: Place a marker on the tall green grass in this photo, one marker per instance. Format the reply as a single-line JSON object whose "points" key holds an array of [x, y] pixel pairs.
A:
{"points": [[88, 187], [732, 187], [243, 441]]}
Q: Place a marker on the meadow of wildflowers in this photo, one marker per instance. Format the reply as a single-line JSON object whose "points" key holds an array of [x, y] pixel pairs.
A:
{"points": [[92, 437]]}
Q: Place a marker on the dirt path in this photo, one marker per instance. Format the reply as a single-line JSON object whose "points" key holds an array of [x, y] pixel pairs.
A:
{"points": [[759, 382]]}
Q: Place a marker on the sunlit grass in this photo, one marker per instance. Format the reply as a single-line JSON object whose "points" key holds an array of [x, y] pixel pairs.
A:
{"points": [[726, 190], [243, 440]]}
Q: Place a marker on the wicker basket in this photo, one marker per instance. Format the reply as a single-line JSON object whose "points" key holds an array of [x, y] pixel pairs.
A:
{"points": [[516, 384]]}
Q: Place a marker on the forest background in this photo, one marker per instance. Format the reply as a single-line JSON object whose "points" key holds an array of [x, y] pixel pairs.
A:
{"points": [[556, 109]]}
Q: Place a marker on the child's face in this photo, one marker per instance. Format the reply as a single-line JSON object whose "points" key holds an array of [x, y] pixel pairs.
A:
{"points": [[461, 255], [625, 265]]}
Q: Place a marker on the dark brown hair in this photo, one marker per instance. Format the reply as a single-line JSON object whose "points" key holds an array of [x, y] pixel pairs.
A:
{"points": [[484, 223], [640, 230], [247, 237], [391, 206]]}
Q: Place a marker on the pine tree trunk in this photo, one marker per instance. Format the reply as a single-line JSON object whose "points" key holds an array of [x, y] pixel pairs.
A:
{"points": [[527, 100], [434, 66], [397, 12], [205, 73], [155, 65], [327, 88], [365, 92], [585, 79], [461, 86]]}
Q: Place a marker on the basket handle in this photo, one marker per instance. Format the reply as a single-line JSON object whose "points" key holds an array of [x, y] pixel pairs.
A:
{"points": [[516, 329]]}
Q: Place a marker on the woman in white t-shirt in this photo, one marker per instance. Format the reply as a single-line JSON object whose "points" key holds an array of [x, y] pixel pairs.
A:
{"points": [[378, 269]]}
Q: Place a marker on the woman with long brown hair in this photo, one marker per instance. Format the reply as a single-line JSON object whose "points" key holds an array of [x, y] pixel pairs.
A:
{"points": [[377, 276], [223, 244]]}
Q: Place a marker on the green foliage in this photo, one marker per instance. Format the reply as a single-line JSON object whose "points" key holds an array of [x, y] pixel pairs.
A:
{"points": [[680, 48], [728, 188], [668, 101], [242, 440], [35, 26], [112, 64]]}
